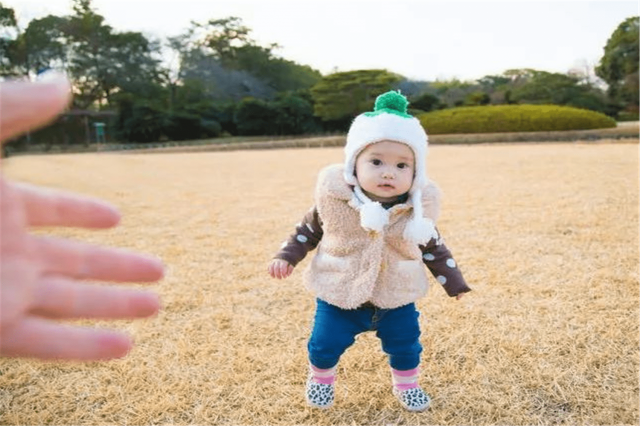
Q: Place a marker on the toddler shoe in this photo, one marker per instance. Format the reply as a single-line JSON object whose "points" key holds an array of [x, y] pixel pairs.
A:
{"points": [[319, 395], [414, 399], [320, 391], [407, 390]]}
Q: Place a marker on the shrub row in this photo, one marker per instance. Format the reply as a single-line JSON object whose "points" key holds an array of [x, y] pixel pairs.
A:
{"points": [[628, 134], [512, 118]]}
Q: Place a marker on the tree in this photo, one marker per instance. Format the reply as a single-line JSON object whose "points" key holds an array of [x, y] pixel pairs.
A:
{"points": [[256, 117], [223, 37], [492, 83], [134, 61], [105, 62], [619, 65], [226, 43], [425, 102], [453, 92], [497, 87], [8, 33], [7, 18], [100, 61], [218, 82], [44, 44], [139, 121], [477, 98], [294, 114], [279, 74], [412, 89], [543, 87], [40, 46], [343, 95]]}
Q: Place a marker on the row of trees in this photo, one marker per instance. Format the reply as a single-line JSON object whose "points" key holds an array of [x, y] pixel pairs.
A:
{"points": [[220, 81]]}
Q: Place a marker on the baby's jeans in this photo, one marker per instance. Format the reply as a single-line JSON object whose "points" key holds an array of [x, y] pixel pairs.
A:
{"points": [[335, 329]]}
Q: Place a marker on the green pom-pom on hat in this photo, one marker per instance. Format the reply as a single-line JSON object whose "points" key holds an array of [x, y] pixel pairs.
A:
{"points": [[391, 102]]}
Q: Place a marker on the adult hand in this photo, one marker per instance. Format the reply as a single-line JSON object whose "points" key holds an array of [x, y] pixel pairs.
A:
{"points": [[41, 276]]}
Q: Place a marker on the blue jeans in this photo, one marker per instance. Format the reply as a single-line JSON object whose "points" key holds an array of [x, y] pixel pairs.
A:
{"points": [[335, 329]]}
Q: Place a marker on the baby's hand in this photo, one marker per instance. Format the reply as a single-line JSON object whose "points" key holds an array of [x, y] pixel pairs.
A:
{"points": [[280, 269]]}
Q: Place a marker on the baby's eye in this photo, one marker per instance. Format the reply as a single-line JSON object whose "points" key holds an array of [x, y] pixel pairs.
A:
{"points": [[402, 165], [376, 162]]}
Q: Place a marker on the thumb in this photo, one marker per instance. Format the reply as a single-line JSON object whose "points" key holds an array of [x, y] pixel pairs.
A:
{"points": [[28, 105]]}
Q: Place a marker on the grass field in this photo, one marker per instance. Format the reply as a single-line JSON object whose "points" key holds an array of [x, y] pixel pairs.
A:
{"points": [[546, 235]]}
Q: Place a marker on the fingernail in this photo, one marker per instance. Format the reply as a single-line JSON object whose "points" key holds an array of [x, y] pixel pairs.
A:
{"points": [[50, 75], [54, 77]]}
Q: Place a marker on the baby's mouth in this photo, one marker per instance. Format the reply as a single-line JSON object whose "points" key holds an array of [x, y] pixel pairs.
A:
{"points": [[386, 185]]}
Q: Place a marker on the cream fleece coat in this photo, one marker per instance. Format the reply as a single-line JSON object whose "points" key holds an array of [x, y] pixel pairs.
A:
{"points": [[353, 266]]}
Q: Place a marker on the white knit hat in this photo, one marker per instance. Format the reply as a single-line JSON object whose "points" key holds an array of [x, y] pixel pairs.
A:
{"points": [[389, 121]]}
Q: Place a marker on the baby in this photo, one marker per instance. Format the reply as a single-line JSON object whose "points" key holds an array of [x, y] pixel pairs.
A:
{"points": [[373, 226]]}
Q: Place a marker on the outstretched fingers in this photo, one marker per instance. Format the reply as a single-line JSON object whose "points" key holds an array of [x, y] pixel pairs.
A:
{"points": [[55, 208], [79, 260], [44, 339], [61, 298]]}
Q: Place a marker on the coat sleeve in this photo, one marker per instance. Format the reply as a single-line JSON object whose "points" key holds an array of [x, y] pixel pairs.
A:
{"points": [[437, 257], [306, 237]]}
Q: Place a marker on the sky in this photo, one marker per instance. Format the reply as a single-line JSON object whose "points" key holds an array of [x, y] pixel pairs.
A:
{"points": [[425, 40]]}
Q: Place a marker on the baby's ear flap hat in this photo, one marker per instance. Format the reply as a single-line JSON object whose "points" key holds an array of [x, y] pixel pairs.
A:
{"points": [[390, 121]]}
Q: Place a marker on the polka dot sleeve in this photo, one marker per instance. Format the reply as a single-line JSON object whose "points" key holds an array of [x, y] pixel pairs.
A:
{"points": [[306, 237], [439, 260]]}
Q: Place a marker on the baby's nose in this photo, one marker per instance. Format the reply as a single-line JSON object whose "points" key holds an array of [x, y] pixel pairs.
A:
{"points": [[388, 174]]}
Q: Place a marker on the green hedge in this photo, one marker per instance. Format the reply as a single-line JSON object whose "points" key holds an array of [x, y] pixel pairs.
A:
{"points": [[512, 118]]}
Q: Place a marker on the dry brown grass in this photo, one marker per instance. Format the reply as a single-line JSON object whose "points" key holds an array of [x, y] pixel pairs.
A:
{"points": [[546, 234]]}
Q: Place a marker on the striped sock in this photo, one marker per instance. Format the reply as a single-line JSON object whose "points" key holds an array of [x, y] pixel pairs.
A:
{"points": [[326, 376], [405, 379]]}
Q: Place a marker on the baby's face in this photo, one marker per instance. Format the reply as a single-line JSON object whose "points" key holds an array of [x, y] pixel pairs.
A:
{"points": [[385, 170]]}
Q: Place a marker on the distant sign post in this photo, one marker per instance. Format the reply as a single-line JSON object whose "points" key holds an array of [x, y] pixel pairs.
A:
{"points": [[100, 133]]}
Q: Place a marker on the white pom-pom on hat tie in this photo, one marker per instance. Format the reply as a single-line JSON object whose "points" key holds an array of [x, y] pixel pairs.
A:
{"points": [[373, 217]]}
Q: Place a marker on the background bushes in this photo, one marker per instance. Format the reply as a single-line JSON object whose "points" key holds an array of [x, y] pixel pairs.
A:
{"points": [[290, 114], [512, 118]]}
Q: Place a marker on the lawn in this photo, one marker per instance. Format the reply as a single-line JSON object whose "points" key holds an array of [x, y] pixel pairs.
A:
{"points": [[545, 234]]}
